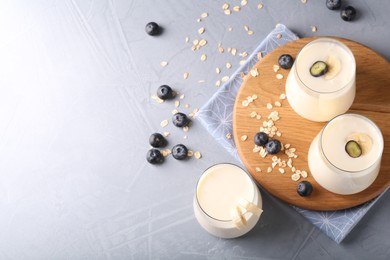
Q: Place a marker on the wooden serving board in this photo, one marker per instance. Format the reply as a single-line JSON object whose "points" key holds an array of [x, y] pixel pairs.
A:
{"points": [[372, 100]]}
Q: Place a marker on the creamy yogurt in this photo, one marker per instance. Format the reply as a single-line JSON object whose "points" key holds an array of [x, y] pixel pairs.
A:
{"points": [[227, 202], [322, 98], [330, 164]]}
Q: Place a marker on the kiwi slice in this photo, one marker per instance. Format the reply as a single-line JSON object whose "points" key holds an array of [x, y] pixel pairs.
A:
{"points": [[318, 68], [353, 149]]}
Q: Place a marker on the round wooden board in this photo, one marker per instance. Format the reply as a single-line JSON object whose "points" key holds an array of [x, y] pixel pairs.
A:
{"points": [[372, 100]]}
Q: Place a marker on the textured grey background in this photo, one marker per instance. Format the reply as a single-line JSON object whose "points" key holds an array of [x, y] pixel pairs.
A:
{"points": [[75, 116]]}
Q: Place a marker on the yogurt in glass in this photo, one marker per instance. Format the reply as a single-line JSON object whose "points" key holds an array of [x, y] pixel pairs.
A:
{"points": [[324, 97], [227, 202], [330, 163]]}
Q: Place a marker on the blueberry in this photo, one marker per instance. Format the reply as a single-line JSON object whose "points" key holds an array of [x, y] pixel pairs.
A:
{"points": [[165, 92], [179, 152], [261, 138], [318, 68], [304, 188], [286, 61], [273, 146], [353, 149], [152, 28], [348, 13], [333, 4], [180, 119], [157, 140], [154, 156]]}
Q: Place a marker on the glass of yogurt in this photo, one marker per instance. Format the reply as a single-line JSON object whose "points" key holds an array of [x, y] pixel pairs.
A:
{"points": [[322, 97], [345, 157], [227, 203]]}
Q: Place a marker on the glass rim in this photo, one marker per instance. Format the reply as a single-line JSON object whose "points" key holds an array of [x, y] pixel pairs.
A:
{"points": [[203, 173], [372, 123], [342, 45]]}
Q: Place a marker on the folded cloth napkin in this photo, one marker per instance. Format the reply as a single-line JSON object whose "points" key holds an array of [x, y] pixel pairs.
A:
{"points": [[216, 117]]}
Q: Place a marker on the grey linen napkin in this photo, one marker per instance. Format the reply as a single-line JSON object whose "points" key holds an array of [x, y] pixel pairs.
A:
{"points": [[216, 117]]}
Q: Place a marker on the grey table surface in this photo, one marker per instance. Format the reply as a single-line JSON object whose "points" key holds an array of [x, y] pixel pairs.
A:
{"points": [[76, 80]]}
